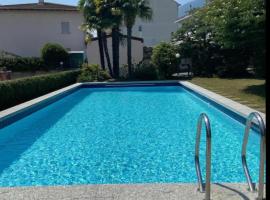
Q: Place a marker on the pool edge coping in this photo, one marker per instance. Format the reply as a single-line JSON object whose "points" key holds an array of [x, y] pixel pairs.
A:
{"points": [[20, 108], [152, 191], [229, 104]]}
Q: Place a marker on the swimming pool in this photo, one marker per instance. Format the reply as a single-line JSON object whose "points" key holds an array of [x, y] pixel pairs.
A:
{"points": [[117, 135]]}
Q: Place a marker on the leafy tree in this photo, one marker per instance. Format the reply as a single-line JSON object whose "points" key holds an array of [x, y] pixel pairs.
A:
{"points": [[164, 58], [195, 40], [230, 32], [239, 25]]}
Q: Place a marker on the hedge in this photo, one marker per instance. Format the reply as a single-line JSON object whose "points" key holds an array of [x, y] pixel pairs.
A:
{"points": [[14, 92], [23, 64]]}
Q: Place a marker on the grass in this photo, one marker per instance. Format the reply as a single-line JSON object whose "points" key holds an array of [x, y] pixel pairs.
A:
{"points": [[250, 92]]}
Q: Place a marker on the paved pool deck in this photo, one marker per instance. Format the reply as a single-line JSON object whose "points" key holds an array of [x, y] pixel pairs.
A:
{"points": [[128, 192]]}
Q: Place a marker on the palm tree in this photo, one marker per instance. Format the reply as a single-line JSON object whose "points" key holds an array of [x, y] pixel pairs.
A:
{"points": [[105, 45], [101, 50], [116, 22], [95, 20], [115, 50], [132, 9]]}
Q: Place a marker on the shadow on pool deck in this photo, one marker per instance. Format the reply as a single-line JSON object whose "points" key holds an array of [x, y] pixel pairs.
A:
{"points": [[233, 190]]}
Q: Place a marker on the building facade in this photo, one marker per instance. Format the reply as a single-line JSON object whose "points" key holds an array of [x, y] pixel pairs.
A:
{"points": [[162, 25], [25, 28], [137, 52]]}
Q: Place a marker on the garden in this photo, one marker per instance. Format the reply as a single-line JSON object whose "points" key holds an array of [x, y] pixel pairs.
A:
{"points": [[225, 40]]}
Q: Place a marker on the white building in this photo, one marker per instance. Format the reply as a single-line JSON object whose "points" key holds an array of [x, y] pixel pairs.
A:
{"points": [[165, 12], [184, 10], [181, 20], [137, 52], [25, 28]]}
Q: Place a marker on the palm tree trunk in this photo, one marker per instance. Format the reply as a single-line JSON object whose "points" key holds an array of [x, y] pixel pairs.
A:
{"points": [[129, 55], [101, 50], [104, 39], [115, 48]]}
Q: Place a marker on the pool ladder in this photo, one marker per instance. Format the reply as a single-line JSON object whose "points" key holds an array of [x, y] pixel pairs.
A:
{"points": [[203, 187], [261, 126], [206, 187]]}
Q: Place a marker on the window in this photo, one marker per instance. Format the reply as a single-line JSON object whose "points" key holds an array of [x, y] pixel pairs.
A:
{"points": [[140, 28], [65, 28]]}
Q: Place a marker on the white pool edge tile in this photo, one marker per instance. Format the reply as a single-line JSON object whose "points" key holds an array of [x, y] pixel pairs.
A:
{"points": [[28, 104], [233, 106]]}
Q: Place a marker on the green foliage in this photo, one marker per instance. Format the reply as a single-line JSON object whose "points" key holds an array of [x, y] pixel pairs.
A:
{"points": [[145, 71], [226, 34], [236, 23], [17, 91], [130, 10], [104, 15], [53, 54], [91, 73], [164, 58], [22, 64]]}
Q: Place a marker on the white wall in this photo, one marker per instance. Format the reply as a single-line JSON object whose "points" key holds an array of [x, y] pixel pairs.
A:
{"points": [[25, 32], [137, 52], [165, 13]]}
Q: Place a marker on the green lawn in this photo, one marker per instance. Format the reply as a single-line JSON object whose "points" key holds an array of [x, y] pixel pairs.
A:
{"points": [[250, 92]]}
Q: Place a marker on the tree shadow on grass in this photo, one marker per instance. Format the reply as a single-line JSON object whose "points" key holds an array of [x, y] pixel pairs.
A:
{"points": [[258, 90]]}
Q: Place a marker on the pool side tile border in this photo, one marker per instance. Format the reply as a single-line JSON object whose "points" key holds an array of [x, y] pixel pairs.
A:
{"points": [[131, 84], [231, 105], [12, 114]]}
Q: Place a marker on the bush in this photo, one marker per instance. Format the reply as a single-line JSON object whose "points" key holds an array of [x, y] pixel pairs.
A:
{"points": [[164, 58], [23, 64], [123, 72], [92, 72], [53, 54], [17, 91], [145, 71]]}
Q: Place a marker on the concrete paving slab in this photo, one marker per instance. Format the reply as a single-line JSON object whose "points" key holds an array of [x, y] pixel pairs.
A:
{"points": [[128, 192]]}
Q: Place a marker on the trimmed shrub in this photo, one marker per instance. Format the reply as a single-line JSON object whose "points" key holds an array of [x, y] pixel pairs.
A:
{"points": [[20, 64], [145, 71], [17, 91], [92, 72], [164, 58], [53, 54]]}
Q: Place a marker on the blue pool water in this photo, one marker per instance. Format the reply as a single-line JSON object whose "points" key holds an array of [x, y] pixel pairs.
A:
{"points": [[121, 135]]}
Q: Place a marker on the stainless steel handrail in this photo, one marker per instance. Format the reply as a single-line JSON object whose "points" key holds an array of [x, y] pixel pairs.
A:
{"points": [[261, 125], [203, 188]]}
